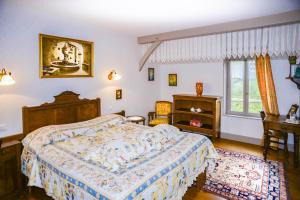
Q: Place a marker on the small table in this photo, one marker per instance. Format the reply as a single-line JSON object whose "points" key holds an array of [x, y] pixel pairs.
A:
{"points": [[278, 123], [136, 119]]}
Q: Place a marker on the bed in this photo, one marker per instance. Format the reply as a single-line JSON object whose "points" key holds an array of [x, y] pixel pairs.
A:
{"points": [[74, 153]]}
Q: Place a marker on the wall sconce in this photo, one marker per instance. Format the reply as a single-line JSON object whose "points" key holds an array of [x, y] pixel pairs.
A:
{"points": [[113, 75], [6, 78]]}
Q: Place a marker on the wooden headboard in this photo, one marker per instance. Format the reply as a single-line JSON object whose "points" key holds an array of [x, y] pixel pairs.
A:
{"points": [[66, 108]]}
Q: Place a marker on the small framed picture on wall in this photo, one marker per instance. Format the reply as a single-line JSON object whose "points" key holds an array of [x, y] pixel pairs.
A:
{"points": [[172, 79], [150, 74], [118, 94]]}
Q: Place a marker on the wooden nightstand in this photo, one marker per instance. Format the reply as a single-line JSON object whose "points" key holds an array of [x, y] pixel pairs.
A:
{"points": [[10, 169]]}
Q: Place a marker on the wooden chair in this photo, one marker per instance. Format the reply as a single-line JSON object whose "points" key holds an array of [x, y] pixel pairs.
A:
{"points": [[274, 137], [162, 114]]}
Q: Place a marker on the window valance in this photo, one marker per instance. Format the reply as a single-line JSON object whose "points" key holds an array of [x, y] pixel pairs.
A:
{"points": [[277, 41]]}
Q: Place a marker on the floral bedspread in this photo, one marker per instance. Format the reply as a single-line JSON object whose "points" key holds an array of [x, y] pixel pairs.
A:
{"points": [[109, 158]]}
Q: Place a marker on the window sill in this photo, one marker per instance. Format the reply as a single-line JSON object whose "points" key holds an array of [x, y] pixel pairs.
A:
{"points": [[242, 116]]}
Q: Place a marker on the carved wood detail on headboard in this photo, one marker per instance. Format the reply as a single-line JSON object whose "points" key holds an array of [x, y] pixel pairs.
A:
{"points": [[66, 108]]}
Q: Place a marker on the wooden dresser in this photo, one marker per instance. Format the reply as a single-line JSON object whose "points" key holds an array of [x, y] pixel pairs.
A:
{"points": [[10, 169], [209, 116]]}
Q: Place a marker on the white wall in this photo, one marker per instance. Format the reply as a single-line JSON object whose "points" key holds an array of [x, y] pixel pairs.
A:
{"points": [[20, 25], [212, 75]]}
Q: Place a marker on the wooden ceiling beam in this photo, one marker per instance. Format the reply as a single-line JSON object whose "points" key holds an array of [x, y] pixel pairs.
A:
{"points": [[266, 21], [148, 54]]}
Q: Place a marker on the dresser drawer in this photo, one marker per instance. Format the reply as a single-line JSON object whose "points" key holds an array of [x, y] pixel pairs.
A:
{"points": [[8, 152], [10, 170]]}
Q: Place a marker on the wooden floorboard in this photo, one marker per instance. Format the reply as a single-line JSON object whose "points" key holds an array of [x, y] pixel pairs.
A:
{"points": [[293, 175]]}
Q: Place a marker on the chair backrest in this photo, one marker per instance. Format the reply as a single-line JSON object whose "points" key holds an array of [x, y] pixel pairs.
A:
{"points": [[163, 108], [262, 115]]}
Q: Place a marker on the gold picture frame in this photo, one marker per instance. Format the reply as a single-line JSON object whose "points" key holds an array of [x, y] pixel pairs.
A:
{"points": [[150, 74], [118, 94], [172, 79], [62, 57]]}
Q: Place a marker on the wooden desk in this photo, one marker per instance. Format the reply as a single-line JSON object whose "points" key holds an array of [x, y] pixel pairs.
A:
{"points": [[278, 123]]}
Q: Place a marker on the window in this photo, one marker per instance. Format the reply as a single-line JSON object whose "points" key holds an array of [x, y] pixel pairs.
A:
{"points": [[243, 96]]}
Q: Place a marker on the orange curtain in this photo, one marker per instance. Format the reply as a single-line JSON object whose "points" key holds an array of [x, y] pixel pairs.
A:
{"points": [[266, 85]]}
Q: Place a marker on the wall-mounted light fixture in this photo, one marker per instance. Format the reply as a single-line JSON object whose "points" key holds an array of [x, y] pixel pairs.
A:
{"points": [[6, 78], [113, 75]]}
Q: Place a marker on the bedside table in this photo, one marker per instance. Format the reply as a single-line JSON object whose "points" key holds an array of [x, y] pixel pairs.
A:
{"points": [[136, 119], [10, 169]]}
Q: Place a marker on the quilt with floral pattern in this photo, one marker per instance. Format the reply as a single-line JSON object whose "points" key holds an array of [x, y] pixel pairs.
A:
{"points": [[110, 158]]}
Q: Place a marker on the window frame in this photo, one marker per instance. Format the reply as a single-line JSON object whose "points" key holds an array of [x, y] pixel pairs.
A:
{"points": [[245, 112]]}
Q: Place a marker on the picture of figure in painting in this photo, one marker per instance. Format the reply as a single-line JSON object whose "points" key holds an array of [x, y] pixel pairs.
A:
{"points": [[63, 57], [150, 74], [172, 79]]}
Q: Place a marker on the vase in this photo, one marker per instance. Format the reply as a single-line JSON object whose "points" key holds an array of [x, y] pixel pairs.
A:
{"points": [[199, 88]]}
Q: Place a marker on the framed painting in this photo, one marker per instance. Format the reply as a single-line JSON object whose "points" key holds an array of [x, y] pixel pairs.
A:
{"points": [[65, 57], [150, 74], [172, 79], [118, 94]]}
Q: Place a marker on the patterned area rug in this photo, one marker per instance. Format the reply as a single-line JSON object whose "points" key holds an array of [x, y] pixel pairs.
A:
{"points": [[243, 176]]}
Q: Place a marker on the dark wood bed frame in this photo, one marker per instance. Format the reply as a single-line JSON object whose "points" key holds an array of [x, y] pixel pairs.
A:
{"points": [[67, 108]]}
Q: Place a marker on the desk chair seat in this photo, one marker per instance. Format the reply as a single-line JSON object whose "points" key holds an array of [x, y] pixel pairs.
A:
{"points": [[274, 137], [158, 121]]}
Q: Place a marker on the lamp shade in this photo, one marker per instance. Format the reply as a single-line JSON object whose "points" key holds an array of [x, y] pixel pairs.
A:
{"points": [[6, 78], [113, 75]]}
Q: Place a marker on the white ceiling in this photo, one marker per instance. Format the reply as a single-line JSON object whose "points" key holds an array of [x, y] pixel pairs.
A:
{"points": [[141, 17]]}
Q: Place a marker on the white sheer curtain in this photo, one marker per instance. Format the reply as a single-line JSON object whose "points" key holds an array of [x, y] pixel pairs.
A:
{"points": [[277, 41]]}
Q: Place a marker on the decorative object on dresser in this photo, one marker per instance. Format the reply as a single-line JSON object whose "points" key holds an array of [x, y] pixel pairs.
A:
{"points": [[150, 74], [65, 58], [278, 123], [172, 79], [209, 116], [195, 122], [136, 119], [162, 114], [199, 88], [118, 94], [10, 170]]}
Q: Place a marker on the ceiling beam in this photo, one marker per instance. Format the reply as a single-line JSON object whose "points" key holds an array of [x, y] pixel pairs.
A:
{"points": [[148, 54], [259, 22]]}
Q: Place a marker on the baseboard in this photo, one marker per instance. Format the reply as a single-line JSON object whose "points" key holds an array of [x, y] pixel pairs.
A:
{"points": [[249, 140], [242, 138]]}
